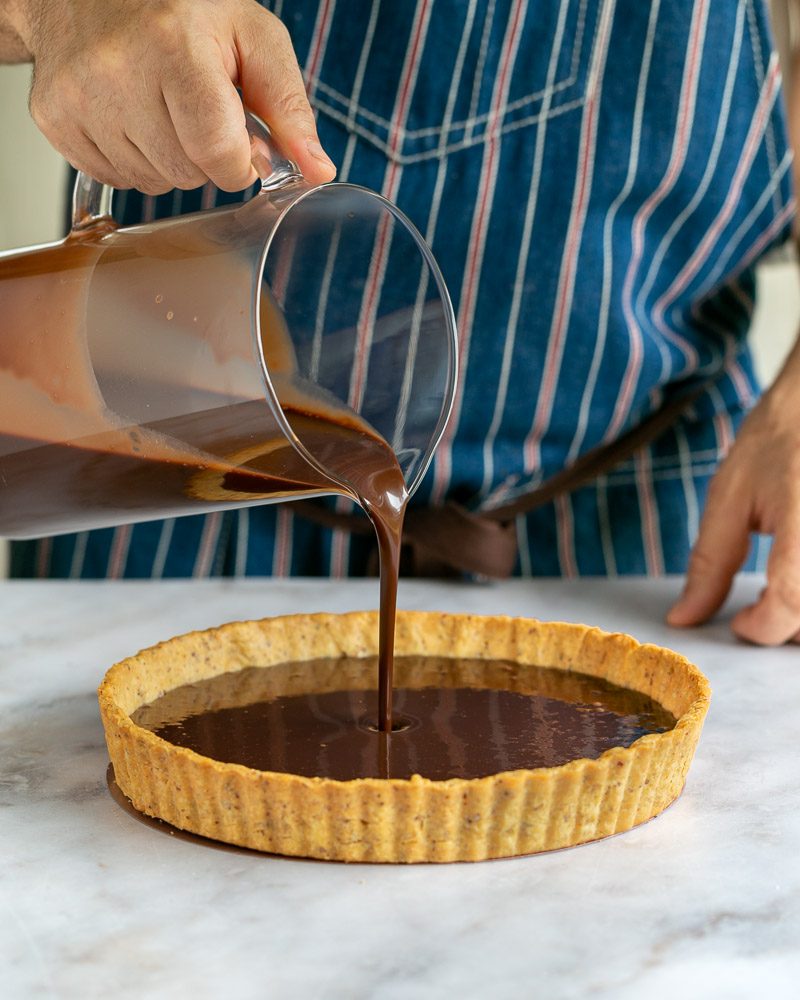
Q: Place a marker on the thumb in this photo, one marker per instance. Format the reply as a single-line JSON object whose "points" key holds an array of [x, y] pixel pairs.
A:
{"points": [[272, 86], [719, 552]]}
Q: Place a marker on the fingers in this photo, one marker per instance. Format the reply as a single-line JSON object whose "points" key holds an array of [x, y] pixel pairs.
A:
{"points": [[719, 552], [82, 153], [775, 617], [209, 123], [272, 86], [131, 164], [156, 96], [155, 138]]}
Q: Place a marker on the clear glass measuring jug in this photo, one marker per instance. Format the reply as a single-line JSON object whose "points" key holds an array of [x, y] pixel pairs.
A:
{"points": [[186, 364]]}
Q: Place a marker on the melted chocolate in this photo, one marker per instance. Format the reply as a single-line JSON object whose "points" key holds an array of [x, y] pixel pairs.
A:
{"points": [[87, 425], [136, 484], [544, 718]]}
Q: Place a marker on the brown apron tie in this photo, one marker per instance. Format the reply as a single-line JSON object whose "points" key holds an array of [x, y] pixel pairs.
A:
{"points": [[451, 540]]}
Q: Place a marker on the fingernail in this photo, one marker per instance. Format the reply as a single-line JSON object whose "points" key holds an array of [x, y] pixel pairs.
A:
{"points": [[319, 153]]}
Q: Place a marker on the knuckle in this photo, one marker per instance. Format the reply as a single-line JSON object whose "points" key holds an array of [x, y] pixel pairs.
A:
{"points": [[215, 152], [110, 60], [172, 164], [104, 173], [147, 185], [185, 176], [292, 105], [107, 178], [219, 149], [171, 34], [275, 25]]}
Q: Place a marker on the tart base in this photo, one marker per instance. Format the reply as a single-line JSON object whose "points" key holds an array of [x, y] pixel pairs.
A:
{"points": [[403, 820]]}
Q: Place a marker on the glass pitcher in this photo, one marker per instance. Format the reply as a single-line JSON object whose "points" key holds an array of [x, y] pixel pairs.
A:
{"points": [[182, 365]]}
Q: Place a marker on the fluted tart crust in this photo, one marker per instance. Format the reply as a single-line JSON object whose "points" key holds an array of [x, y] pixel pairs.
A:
{"points": [[403, 820]]}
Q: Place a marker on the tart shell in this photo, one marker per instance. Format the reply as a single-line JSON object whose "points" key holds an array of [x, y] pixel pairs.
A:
{"points": [[404, 820]]}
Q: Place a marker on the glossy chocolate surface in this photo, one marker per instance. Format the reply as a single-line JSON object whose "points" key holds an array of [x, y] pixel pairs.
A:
{"points": [[544, 718]]}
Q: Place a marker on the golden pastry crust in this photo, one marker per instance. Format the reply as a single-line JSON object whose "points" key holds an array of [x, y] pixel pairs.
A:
{"points": [[403, 820]]}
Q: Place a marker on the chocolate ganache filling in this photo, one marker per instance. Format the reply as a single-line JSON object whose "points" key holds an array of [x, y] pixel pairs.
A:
{"points": [[541, 717]]}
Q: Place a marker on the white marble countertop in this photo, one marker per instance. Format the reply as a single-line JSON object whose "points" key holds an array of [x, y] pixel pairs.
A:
{"points": [[702, 902]]}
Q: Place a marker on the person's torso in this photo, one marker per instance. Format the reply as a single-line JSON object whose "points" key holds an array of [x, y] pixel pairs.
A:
{"points": [[597, 179]]}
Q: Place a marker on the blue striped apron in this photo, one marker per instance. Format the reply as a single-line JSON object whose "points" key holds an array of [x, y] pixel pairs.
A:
{"points": [[598, 179]]}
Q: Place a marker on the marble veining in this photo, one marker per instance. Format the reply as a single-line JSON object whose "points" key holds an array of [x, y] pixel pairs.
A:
{"points": [[704, 901]]}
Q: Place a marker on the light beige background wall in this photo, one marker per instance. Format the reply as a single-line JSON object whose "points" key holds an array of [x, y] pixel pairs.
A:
{"points": [[31, 172], [31, 177], [31, 211]]}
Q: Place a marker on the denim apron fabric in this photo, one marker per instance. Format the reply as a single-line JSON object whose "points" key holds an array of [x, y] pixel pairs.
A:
{"points": [[597, 179]]}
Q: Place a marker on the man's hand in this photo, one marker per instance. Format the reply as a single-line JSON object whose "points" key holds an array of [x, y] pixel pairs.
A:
{"points": [[757, 489], [144, 94]]}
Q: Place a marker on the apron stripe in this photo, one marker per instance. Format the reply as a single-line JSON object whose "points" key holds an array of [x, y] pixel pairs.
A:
{"points": [[525, 568], [701, 253], [242, 541], [319, 42], [758, 58], [118, 556], [710, 283], [288, 245], [565, 529], [477, 241], [44, 552], [477, 84], [339, 549], [687, 482], [344, 175], [770, 234], [283, 541], [281, 557], [208, 545], [606, 533], [283, 267], [430, 228], [608, 229], [651, 534], [569, 260], [341, 541], [723, 428], [680, 147], [523, 262], [722, 118], [162, 549], [78, 555], [392, 182], [747, 301]]}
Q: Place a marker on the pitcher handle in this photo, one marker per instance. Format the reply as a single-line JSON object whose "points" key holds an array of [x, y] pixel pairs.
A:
{"points": [[91, 199]]}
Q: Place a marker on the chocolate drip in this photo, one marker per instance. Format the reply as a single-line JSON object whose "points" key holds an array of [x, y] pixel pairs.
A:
{"points": [[132, 473]]}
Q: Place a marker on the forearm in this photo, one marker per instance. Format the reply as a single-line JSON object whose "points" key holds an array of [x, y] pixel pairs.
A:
{"points": [[13, 48]]}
